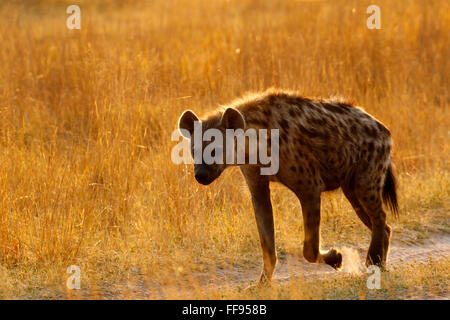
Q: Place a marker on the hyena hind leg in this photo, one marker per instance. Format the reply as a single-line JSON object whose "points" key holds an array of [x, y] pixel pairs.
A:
{"points": [[381, 232], [359, 209]]}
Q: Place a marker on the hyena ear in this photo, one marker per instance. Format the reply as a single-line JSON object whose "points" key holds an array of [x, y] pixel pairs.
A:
{"points": [[233, 119], [186, 122]]}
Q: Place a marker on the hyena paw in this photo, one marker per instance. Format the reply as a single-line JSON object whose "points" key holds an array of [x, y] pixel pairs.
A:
{"points": [[376, 261], [256, 286], [333, 258]]}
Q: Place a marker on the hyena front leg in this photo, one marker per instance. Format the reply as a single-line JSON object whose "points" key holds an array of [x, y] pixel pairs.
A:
{"points": [[259, 189], [311, 223]]}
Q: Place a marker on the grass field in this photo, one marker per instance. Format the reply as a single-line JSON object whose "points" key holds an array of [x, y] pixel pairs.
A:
{"points": [[86, 118]]}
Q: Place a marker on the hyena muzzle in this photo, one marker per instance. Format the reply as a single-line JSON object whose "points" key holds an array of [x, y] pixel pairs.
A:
{"points": [[323, 145]]}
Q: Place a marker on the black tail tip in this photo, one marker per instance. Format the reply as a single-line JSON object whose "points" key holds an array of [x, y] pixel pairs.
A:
{"points": [[390, 192]]}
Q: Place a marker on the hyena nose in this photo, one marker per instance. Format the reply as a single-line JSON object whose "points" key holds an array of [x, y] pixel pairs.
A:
{"points": [[202, 176]]}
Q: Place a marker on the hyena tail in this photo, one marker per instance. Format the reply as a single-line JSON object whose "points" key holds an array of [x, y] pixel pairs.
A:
{"points": [[390, 191]]}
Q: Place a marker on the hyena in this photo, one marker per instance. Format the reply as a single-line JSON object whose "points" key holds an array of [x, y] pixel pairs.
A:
{"points": [[323, 145]]}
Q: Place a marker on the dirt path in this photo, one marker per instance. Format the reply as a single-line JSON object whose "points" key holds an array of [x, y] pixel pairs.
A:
{"points": [[288, 266], [402, 250]]}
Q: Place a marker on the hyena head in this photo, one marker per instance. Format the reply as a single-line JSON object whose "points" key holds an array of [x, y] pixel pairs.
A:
{"points": [[210, 161]]}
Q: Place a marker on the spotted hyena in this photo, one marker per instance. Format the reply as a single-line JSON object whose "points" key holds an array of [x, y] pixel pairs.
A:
{"points": [[323, 145]]}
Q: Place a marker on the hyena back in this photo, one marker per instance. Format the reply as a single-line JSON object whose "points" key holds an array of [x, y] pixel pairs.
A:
{"points": [[323, 145]]}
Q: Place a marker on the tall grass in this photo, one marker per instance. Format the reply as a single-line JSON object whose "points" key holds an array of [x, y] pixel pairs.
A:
{"points": [[86, 117]]}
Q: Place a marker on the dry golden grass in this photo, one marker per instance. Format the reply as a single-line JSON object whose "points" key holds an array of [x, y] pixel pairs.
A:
{"points": [[86, 117]]}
